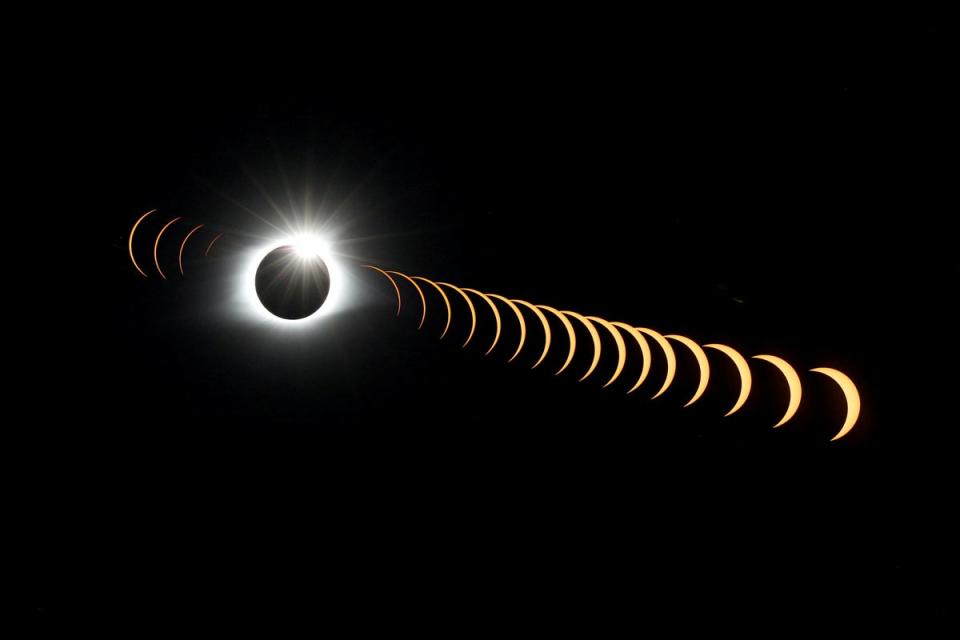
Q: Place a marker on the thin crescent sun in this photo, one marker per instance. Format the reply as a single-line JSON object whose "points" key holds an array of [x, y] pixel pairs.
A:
{"points": [[546, 329], [668, 354], [571, 335], [446, 301], [130, 241], [523, 324], [746, 380], [156, 244], [592, 329], [702, 363], [183, 244], [473, 311], [850, 393], [210, 246], [496, 316], [621, 347], [423, 298], [644, 351], [392, 281], [793, 385]]}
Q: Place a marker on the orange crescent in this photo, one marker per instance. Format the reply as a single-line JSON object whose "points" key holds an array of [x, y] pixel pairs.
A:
{"points": [[496, 316], [850, 393], [156, 243], [668, 353], [423, 298], [523, 324], [446, 301], [596, 341], [183, 244], [130, 241], [746, 380], [702, 363], [473, 311], [546, 329], [570, 334], [793, 384], [621, 347], [644, 351], [210, 246], [392, 281]]}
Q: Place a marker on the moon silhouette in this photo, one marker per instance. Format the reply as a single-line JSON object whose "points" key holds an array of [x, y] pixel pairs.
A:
{"points": [[446, 301], [621, 347], [850, 393], [546, 329], [668, 354], [644, 352], [183, 244], [743, 369], [473, 311], [423, 298], [496, 316], [130, 241], [523, 324], [702, 362], [593, 336], [156, 244], [392, 281], [571, 335], [793, 384], [291, 285]]}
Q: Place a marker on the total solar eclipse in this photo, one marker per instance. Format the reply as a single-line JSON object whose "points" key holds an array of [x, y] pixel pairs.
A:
{"points": [[292, 282]]}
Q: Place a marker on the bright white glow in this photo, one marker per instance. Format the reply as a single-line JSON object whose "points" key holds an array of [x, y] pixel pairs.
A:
{"points": [[307, 245]]}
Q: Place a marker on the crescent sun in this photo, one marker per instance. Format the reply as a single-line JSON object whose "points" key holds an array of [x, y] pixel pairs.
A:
{"points": [[390, 278], [496, 316], [592, 329], [793, 385], [130, 241], [644, 351], [702, 362], [156, 244], [621, 347], [523, 324], [423, 298], [546, 329], [746, 380], [473, 311], [446, 301], [571, 335], [850, 393], [668, 354], [183, 244]]}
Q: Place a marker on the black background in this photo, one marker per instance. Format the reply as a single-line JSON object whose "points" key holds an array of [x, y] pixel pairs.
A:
{"points": [[781, 192]]}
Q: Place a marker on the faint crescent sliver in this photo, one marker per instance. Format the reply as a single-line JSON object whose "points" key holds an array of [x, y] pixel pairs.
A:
{"points": [[496, 316], [392, 281], [423, 298], [210, 246], [570, 334], [702, 363], [473, 311], [446, 301], [546, 329], [644, 351], [133, 230], [523, 324], [156, 243], [592, 329], [793, 385], [621, 347], [746, 379], [183, 244], [851, 394], [668, 353]]}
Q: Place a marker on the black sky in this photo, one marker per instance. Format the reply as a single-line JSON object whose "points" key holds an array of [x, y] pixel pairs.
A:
{"points": [[780, 194]]}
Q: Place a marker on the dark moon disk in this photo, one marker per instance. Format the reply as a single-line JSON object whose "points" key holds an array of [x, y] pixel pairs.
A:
{"points": [[291, 284]]}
